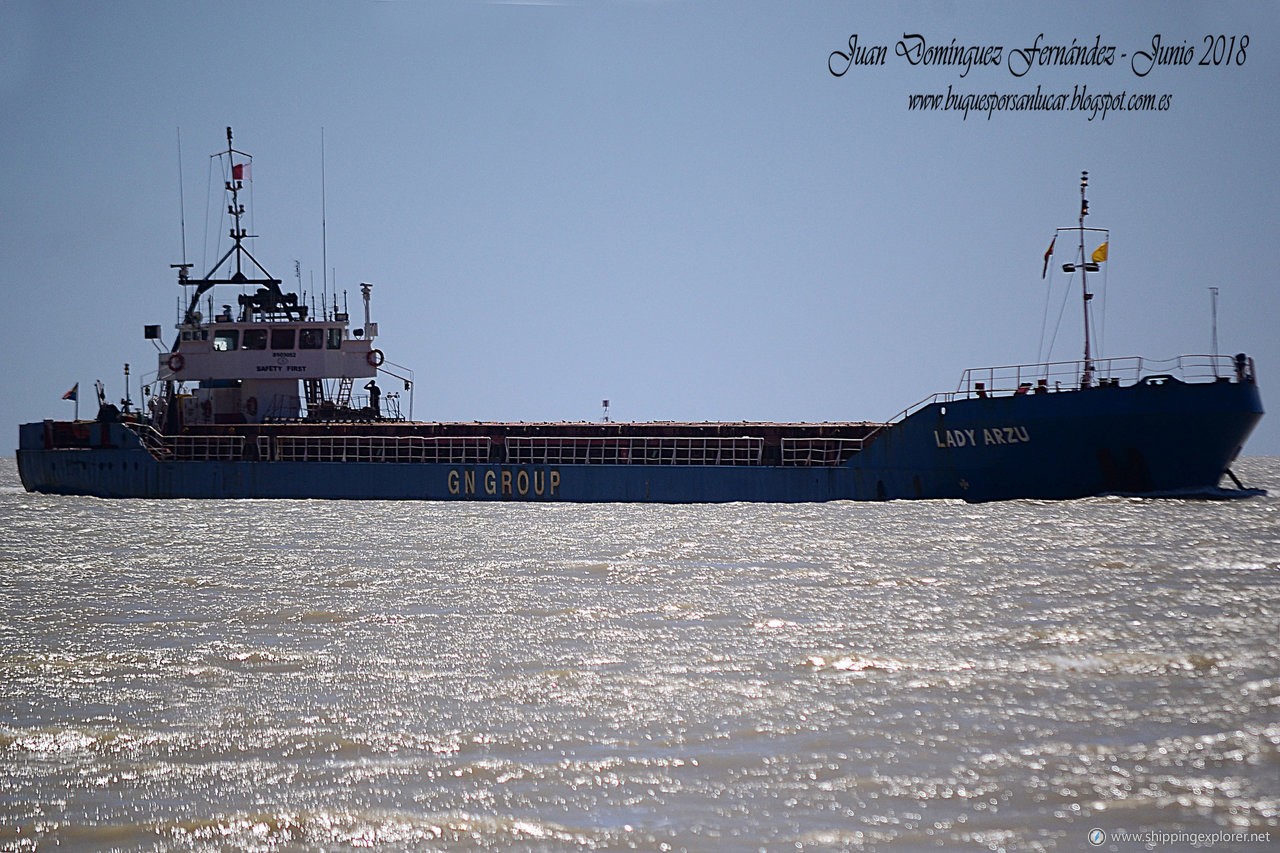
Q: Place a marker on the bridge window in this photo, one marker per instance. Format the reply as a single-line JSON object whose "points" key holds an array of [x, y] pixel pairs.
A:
{"points": [[282, 338], [254, 339], [226, 340], [310, 338], [335, 339]]}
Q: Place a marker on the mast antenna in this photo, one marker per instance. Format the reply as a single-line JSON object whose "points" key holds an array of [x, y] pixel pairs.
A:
{"points": [[324, 233], [184, 267], [1213, 295], [182, 202]]}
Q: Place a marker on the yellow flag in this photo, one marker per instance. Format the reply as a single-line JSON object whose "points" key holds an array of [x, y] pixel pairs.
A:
{"points": [[1100, 254]]}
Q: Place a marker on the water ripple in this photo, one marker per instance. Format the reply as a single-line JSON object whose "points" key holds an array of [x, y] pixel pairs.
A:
{"points": [[297, 675]]}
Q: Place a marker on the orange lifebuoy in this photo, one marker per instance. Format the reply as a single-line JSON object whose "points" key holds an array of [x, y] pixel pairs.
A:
{"points": [[251, 406], [375, 358], [177, 362]]}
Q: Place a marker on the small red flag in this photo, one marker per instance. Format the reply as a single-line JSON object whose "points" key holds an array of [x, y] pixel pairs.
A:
{"points": [[1047, 254], [240, 172]]}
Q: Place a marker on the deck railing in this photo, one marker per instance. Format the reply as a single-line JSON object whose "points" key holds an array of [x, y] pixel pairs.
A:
{"points": [[645, 450], [190, 448], [1068, 375], [314, 448], [819, 451], [375, 448], [520, 450], [1052, 377]]}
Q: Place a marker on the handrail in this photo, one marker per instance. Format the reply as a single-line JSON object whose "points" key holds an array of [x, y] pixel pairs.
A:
{"points": [[150, 437], [1059, 376], [189, 447], [637, 450], [405, 376], [314, 448], [819, 451], [375, 448]]}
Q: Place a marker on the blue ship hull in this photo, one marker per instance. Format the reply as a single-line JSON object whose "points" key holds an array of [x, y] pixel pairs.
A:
{"points": [[1152, 437]]}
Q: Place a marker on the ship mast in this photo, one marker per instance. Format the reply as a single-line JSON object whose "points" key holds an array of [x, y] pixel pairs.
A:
{"points": [[1085, 266], [1087, 379], [235, 208], [269, 299]]}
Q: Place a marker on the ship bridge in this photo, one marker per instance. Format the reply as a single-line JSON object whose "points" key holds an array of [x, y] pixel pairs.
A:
{"points": [[229, 350]]}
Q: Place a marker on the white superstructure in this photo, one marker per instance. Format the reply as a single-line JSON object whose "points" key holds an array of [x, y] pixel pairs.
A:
{"points": [[266, 358]]}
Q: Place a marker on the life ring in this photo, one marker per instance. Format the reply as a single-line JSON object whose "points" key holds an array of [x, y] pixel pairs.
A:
{"points": [[251, 406], [375, 358], [177, 362]]}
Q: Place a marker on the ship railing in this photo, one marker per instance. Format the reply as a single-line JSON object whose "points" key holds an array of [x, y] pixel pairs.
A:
{"points": [[318, 448], [375, 448], [1052, 377], [150, 437], [222, 448], [1070, 375], [405, 375], [819, 451], [190, 448], [640, 450]]}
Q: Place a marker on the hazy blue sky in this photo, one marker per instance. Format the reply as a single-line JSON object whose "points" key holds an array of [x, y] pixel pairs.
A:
{"points": [[673, 205]]}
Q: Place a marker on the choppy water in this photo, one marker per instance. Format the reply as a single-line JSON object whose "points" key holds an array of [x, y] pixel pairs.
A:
{"points": [[299, 675]]}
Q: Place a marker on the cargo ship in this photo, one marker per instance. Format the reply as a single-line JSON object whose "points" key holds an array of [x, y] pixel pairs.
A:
{"points": [[261, 400]]}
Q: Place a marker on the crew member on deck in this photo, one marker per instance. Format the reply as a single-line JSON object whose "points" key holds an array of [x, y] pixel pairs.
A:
{"points": [[375, 398]]}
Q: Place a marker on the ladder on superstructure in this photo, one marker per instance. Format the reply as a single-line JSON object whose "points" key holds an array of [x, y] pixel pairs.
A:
{"points": [[344, 391], [314, 390]]}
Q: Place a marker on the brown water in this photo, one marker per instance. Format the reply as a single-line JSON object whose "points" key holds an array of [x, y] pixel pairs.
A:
{"points": [[304, 675]]}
